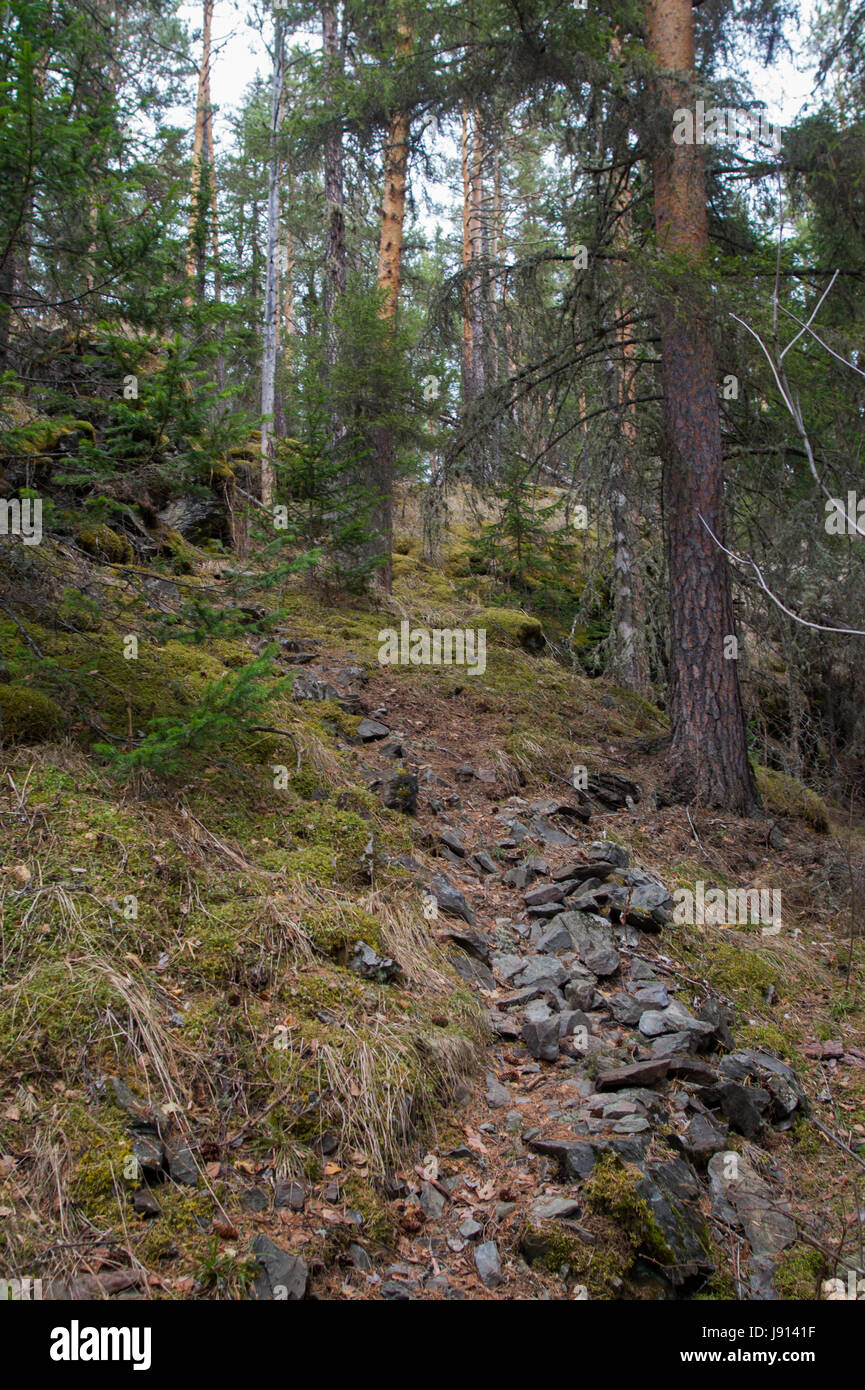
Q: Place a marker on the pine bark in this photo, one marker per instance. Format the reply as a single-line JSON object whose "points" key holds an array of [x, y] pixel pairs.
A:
{"points": [[335, 252], [271, 284], [389, 282], [708, 759], [194, 267]]}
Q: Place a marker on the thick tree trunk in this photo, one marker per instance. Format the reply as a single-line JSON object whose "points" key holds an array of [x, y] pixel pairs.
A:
{"points": [[708, 759], [271, 285], [334, 256], [389, 281]]}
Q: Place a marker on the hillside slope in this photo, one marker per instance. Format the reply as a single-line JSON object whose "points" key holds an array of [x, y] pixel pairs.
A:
{"points": [[370, 1000]]}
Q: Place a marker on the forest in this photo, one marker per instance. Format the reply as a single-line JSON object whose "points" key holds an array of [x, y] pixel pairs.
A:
{"points": [[432, 778]]}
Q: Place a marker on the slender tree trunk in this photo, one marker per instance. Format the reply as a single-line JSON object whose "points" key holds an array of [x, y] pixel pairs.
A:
{"points": [[271, 285], [389, 282], [468, 349], [196, 242], [334, 255], [288, 323], [477, 254], [708, 758]]}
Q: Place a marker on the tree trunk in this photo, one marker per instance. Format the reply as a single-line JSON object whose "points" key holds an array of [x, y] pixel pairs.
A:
{"points": [[389, 280], [334, 255], [708, 758], [271, 286], [196, 243]]}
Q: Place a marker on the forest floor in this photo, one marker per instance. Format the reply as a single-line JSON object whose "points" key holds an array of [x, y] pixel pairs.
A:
{"points": [[523, 1086]]}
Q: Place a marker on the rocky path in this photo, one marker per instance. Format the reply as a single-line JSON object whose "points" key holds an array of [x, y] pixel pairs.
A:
{"points": [[616, 1142]]}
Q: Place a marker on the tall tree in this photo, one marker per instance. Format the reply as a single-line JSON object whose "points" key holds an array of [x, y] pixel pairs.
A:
{"points": [[271, 284], [203, 186], [389, 281], [335, 251], [708, 757]]}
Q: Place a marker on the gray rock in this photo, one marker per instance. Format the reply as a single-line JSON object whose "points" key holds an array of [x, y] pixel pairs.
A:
{"points": [[593, 941], [670, 1044], [704, 1137], [743, 1106], [359, 1258], [145, 1203], [181, 1165], [290, 1194], [432, 1202], [148, 1151], [551, 1208], [508, 964], [470, 1229], [473, 971], [496, 1094], [555, 940], [474, 943], [519, 876], [610, 853], [674, 1019], [738, 1189], [549, 834], [652, 996], [484, 862], [367, 962], [400, 793], [541, 968], [580, 993], [777, 1077], [546, 893], [626, 1009], [635, 1074], [542, 1038], [453, 842], [284, 1276], [488, 1264], [450, 899], [368, 729]]}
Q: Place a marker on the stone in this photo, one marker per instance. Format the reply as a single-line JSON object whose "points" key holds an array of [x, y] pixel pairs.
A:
{"points": [[359, 1258], [367, 962], [433, 1202], [496, 1095], [541, 968], [145, 1203], [148, 1152], [714, 1012], [474, 943], [631, 1124], [641, 970], [470, 1229], [289, 1194], [450, 899], [181, 1164], [473, 971], [555, 940], [671, 1044], [484, 862], [593, 941], [653, 996], [672, 1191], [777, 1077], [740, 1192], [369, 729], [453, 842], [542, 829], [626, 1009], [519, 876], [400, 793], [284, 1276], [541, 1037], [551, 1208], [608, 852], [674, 1019], [508, 964], [703, 1138], [636, 1074], [488, 1264], [572, 1019], [546, 893], [741, 1105]]}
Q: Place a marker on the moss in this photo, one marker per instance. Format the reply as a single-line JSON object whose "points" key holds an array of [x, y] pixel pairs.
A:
{"points": [[104, 544], [512, 628], [765, 1035], [612, 1190], [784, 796], [601, 1268], [741, 972], [335, 931], [379, 1226], [28, 716], [799, 1272]]}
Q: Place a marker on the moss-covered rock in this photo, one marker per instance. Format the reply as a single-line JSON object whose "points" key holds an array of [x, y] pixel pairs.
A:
{"points": [[512, 628], [28, 716], [104, 544], [784, 796]]}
